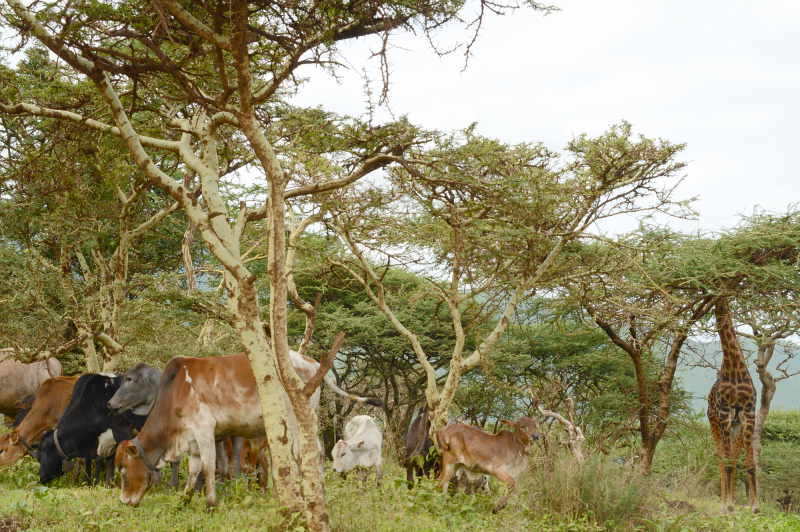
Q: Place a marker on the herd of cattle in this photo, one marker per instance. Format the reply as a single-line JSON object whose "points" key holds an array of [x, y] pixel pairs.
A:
{"points": [[139, 422]]}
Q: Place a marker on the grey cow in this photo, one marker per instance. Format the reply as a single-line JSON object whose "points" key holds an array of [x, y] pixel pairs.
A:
{"points": [[18, 380]]}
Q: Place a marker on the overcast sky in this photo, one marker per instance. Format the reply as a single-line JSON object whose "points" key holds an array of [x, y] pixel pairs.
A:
{"points": [[723, 77]]}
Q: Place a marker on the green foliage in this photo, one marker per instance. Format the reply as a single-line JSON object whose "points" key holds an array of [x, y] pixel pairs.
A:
{"points": [[782, 426]]}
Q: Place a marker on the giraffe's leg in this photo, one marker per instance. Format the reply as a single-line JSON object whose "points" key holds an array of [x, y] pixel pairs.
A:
{"points": [[730, 469], [722, 453], [736, 450], [750, 463]]}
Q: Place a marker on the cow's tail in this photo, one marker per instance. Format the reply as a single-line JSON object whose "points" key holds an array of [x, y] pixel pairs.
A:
{"points": [[339, 391], [442, 440]]}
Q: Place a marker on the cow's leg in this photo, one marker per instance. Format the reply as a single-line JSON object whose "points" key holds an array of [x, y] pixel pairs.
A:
{"points": [[174, 480], [208, 461], [222, 460], [109, 462], [378, 474], [237, 442], [193, 470], [410, 474], [87, 470], [363, 473], [263, 469], [448, 470], [98, 470], [198, 485], [511, 486]]}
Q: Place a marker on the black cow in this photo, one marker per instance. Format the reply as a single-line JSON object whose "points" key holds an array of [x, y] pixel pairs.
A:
{"points": [[421, 455], [86, 417]]}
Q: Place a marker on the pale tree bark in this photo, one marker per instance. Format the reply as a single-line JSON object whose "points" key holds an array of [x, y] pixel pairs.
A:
{"points": [[25, 354], [310, 311], [186, 245], [575, 435], [766, 340], [186, 253]]}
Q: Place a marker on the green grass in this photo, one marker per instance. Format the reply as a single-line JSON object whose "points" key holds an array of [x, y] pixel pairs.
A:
{"points": [[604, 495]]}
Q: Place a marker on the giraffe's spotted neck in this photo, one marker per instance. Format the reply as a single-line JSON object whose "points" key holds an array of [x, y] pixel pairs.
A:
{"points": [[732, 356]]}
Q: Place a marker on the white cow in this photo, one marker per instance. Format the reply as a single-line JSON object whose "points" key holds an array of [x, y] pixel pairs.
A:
{"points": [[471, 481], [360, 449]]}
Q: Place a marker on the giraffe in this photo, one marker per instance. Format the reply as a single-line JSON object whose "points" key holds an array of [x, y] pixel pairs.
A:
{"points": [[731, 411]]}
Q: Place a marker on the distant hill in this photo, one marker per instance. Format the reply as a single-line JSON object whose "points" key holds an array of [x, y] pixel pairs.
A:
{"points": [[698, 380]]}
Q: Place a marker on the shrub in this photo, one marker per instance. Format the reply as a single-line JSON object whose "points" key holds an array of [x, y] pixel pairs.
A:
{"points": [[599, 489]]}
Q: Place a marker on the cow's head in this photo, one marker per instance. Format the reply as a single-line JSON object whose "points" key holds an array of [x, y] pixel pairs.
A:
{"points": [[49, 457], [137, 392], [11, 448], [345, 455], [527, 430], [136, 477]]}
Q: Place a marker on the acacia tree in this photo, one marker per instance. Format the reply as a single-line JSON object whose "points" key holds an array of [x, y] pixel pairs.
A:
{"points": [[765, 248], [194, 79], [490, 225], [629, 289], [652, 289], [75, 222]]}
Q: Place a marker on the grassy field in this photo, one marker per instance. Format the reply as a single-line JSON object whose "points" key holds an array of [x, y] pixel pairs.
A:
{"points": [[560, 497]]}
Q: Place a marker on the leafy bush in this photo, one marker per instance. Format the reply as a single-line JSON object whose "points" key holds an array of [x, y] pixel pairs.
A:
{"points": [[782, 425]]}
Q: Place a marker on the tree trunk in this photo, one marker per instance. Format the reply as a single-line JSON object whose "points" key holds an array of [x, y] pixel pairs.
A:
{"points": [[90, 353], [186, 253], [768, 388], [646, 457]]}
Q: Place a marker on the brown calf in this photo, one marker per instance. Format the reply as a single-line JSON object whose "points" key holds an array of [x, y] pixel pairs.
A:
{"points": [[51, 400], [504, 455]]}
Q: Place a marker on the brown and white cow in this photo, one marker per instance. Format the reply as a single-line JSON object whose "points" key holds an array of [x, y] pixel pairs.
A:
{"points": [[201, 400], [18, 379], [503, 455], [51, 400]]}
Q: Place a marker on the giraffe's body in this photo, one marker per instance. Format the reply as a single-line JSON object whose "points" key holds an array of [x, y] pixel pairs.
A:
{"points": [[731, 411]]}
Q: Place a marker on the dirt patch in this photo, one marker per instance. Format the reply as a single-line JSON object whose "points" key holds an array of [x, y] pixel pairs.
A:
{"points": [[11, 524]]}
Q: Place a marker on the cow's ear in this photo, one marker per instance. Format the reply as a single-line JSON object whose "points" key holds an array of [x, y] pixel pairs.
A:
{"points": [[360, 444], [14, 437], [509, 424], [132, 450], [19, 405]]}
